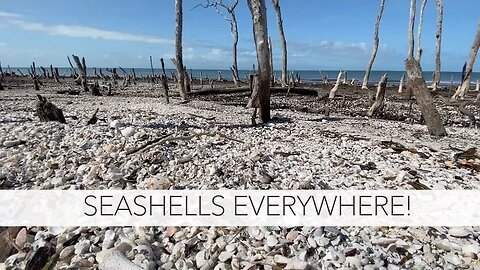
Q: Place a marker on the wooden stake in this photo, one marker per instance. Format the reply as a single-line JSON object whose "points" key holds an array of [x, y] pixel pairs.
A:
{"points": [[437, 75], [401, 85]]}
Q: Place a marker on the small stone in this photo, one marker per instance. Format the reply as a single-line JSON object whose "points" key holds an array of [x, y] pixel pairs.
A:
{"points": [[66, 253], [21, 238]]}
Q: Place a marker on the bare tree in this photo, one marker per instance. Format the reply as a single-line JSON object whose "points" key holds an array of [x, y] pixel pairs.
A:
{"points": [[375, 46], [416, 82], [283, 41], [260, 32], [467, 80], [438, 65], [230, 17], [178, 48], [419, 34]]}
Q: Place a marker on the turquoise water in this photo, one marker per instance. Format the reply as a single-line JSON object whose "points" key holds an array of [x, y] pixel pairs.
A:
{"points": [[306, 75]]}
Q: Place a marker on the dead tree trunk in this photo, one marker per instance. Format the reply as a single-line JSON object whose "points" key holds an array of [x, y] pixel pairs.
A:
{"points": [[232, 19], [416, 82], [375, 46], [260, 30], [438, 65], [46, 111], [283, 41], [379, 97], [469, 69], [151, 67], [33, 75], [401, 85], [424, 98], [187, 81], [178, 48], [74, 72], [334, 90], [83, 72], [270, 48], [164, 82], [419, 34]]}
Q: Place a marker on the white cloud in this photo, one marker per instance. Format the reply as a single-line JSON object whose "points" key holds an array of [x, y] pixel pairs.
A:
{"points": [[9, 15], [76, 31]]}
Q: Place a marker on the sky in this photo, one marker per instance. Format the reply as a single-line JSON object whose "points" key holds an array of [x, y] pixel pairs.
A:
{"points": [[321, 34]]}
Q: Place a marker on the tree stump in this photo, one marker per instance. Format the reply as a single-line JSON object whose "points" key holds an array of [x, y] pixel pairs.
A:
{"points": [[379, 97], [46, 111]]}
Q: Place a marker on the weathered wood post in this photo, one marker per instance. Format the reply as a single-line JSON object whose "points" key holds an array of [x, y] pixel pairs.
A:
{"points": [[379, 97], [283, 41], [178, 48]]}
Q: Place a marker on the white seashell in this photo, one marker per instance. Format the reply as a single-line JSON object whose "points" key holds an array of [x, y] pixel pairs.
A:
{"points": [[114, 260], [225, 256], [82, 246], [108, 240], [128, 132], [66, 253], [272, 241], [459, 232]]}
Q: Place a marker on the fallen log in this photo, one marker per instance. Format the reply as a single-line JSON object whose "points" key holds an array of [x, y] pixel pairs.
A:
{"points": [[379, 97], [46, 111], [273, 90]]}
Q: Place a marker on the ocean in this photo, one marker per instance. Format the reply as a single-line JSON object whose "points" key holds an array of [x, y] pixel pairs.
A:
{"points": [[305, 75]]}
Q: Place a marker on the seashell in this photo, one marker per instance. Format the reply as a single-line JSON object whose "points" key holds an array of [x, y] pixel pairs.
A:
{"points": [[82, 246], [459, 232], [66, 253], [114, 260]]}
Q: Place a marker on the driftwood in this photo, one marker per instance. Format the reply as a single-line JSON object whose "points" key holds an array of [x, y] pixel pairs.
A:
{"points": [[46, 111], [379, 97], [164, 82], [283, 41], [401, 85], [93, 120]]}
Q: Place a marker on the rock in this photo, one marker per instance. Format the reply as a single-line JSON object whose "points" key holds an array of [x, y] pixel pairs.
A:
{"points": [[294, 264], [128, 132], [114, 260], [459, 232]]}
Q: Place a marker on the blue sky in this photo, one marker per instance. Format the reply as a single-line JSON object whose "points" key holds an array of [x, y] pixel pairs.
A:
{"points": [[321, 34]]}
